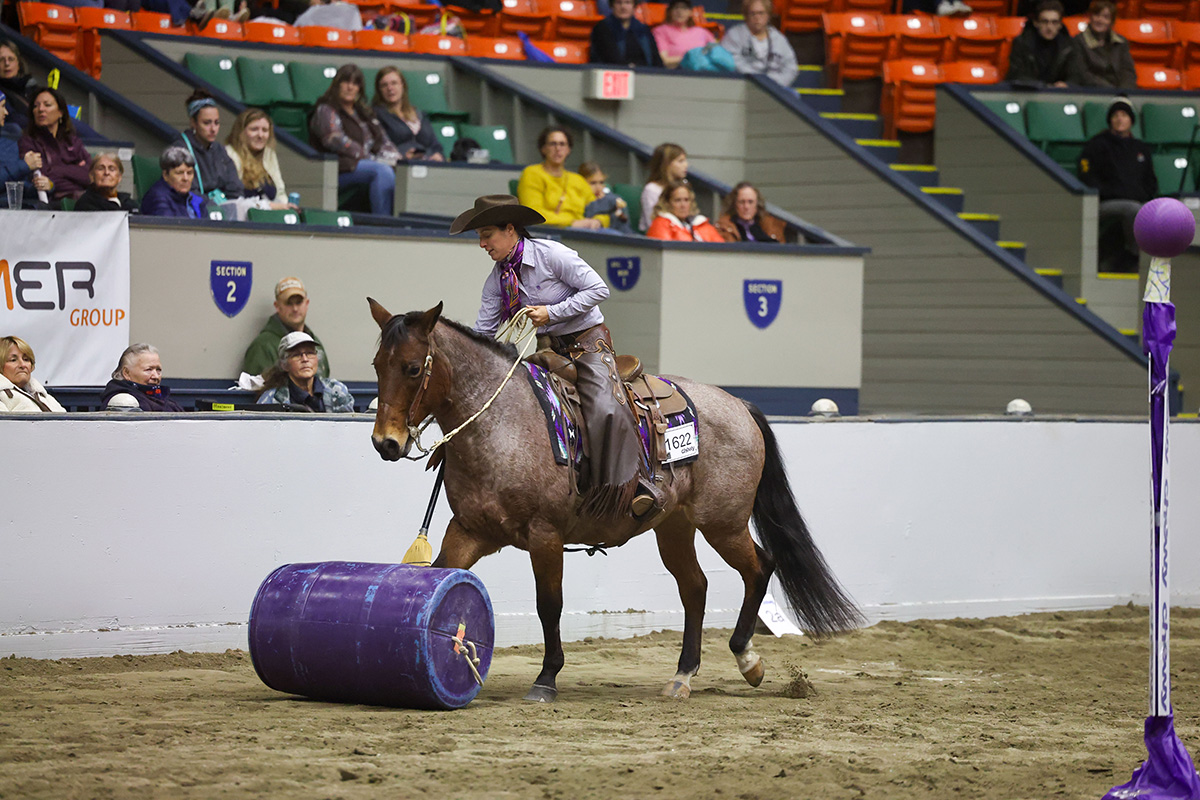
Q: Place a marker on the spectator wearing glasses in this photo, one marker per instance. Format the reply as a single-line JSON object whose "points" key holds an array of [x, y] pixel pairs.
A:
{"points": [[552, 190], [758, 48], [1042, 52], [293, 381]]}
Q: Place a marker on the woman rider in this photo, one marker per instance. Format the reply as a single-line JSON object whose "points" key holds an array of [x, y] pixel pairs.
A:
{"points": [[563, 295]]}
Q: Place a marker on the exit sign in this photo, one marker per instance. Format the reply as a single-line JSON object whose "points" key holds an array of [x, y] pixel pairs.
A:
{"points": [[609, 84]]}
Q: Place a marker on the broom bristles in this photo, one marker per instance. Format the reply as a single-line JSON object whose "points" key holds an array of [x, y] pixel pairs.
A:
{"points": [[420, 553]]}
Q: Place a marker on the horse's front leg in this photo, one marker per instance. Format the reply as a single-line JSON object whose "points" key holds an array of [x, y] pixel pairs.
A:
{"points": [[461, 549], [677, 546], [546, 555]]}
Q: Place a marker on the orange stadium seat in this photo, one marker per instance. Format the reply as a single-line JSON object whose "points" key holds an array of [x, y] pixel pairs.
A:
{"points": [[856, 45], [804, 16], [1149, 77], [701, 20], [977, 72], [388, 41], [91, 20], [153, 22], [320, 36], [220, 29], [917, 36], [506, 47], [530, 17], [484, 22], [1151, 41], [995, 8], [1191, 79], [1189, 43], [437, 44], [878, 6], [1161, 9], [651, 13], [53, 27], [909, 100], [575, 19], [370, 9], [421, 14], [564, 51], [271, 33], [1075, 25], [976, 38]]}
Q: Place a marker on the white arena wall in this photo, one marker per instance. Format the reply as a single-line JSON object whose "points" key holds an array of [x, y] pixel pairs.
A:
{"points": [[126, 534]]}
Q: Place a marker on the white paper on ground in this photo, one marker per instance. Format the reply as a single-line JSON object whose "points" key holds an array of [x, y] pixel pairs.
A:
{"points": [[774, 618]]}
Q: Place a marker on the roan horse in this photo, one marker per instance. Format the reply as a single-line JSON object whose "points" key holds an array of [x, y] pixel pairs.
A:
{"points": [[505, 488]]}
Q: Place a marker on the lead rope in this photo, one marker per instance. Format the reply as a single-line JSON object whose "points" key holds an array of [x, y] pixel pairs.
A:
{"points": [[513, 328], [461, 645]]}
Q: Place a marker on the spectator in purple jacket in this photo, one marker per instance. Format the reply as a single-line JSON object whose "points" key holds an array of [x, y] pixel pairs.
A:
{"points": [[51, 134]]}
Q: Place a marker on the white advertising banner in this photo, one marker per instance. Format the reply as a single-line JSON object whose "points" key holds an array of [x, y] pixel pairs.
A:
{"points": [[64, 277]]}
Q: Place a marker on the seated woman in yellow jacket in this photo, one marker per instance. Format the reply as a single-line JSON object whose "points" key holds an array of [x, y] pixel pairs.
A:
{"points": [[555, 192]]}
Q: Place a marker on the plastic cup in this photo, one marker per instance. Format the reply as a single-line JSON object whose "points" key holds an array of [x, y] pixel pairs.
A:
{"points": [[16, 193]]}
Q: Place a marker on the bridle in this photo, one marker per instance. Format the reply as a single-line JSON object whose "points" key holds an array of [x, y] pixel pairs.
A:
{"points": [[414, 430]]}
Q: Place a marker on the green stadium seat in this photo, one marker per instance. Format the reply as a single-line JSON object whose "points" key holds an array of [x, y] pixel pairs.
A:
{"points": [[215, 213], [447, 133], [310, 81], [1095, 119], [512, 186], [632, 195], [334, 219], [1010, 111], [1057, 128], [145, 172], [282, 216], [1174, 170], [68, 203], [493, 138], [220, 71], [427, 91], [268, 86], [1167, 126]]}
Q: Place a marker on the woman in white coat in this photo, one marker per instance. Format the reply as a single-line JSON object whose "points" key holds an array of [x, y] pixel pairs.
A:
{"points": [[19, 390]]}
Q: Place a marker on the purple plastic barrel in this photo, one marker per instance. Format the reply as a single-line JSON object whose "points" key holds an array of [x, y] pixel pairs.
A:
{"points": [[379, 634]]}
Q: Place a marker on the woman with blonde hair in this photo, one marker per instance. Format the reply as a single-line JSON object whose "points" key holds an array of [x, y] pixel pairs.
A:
{"points": [[19, 391], [251, 147], [668, 163], [679, 219], [405, 124]]}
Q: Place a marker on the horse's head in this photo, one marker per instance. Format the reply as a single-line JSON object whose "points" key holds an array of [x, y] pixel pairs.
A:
{"points": [[410, 387]]}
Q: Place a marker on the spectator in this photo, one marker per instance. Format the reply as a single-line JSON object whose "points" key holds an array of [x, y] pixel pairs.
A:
{"points": [[50, 134], [172, 195], [620, 39], [405, 125], [136, 383], [758, 47], [552, 190], [331, 14], [19, 390], [668, 163], [102, 195], [216, 175], [1120, 168], [1099, 56], [251, 147], [605, 202], [1042, 51], [291, 309], [14, 166], [744, 217], [343, 124], [293, 380], [15, 81], [679, 220], [679, 33]]}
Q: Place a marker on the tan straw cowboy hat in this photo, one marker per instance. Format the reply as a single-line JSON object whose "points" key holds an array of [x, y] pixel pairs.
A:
{"points": [[495, 209]]}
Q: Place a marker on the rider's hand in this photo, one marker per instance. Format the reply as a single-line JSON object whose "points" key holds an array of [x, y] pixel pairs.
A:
{"points": [[539, 315]]}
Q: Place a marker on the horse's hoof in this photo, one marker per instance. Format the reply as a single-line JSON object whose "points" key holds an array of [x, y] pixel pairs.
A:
{"points": [[542, 694], [677, 690], [754, 675]]}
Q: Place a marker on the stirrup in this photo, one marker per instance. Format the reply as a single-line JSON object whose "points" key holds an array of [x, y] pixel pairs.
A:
{"points": [[647, 501]]}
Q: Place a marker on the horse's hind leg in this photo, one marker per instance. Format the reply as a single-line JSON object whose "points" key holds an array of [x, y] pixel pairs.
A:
{"points": [[755, 566], [677, 547]]}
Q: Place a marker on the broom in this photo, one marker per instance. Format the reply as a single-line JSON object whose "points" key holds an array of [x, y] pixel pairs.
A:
{"points": [[420, 553]]}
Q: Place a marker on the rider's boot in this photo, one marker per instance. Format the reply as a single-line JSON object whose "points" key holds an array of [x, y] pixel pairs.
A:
{"points": [[648, 500]]}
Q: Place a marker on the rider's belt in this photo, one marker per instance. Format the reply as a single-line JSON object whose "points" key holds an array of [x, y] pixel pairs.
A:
{"points": [[585, 341]]}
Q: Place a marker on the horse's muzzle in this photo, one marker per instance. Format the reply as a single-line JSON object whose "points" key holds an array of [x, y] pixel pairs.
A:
{"points": [[389, 449]]}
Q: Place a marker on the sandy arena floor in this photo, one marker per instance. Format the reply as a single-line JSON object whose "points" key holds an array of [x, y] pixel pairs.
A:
{"points": [[1040, 706]]}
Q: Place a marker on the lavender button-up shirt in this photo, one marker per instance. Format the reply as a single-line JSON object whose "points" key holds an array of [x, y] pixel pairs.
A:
{"points": [[551, 275]]}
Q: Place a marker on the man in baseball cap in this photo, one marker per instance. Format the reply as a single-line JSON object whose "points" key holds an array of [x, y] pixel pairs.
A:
{"points": [[291, 309]]}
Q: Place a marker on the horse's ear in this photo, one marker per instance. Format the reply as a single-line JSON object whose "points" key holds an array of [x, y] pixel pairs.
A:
{"points": [[381, 314], [430, 318]]}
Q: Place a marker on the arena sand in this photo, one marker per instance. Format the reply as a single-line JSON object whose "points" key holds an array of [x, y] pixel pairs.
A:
{"points": [[1041, 706]]}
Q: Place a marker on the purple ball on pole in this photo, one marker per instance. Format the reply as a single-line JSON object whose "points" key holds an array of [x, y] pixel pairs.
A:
{"points": [[1164, 227]]}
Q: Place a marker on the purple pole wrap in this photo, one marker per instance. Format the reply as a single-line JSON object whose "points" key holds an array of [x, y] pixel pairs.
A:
{"points": [[1167, 773]]}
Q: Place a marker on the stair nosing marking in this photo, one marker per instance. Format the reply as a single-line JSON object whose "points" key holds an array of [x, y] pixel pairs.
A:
{"points": [[877, 142], [821, 91], [973, 217], [941, 190], [848, 115], [1048, 273], [913, 167], [1117, 276], [1127, 331]]}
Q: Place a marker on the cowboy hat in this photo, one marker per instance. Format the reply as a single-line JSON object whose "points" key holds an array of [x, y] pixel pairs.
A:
{"points": [[495, 209]]}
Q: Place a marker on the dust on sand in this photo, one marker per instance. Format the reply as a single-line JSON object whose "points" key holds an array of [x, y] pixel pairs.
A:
{"points": [[1038, 706]]}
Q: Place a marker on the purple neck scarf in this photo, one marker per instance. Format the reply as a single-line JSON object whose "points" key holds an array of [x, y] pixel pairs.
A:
{"points": [[509, 284]]}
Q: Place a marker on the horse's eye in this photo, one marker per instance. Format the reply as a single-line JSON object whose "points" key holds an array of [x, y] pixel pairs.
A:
{"points": [[414, 370]]}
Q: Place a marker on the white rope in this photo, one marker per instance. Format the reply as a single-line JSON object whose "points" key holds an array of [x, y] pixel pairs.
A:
{"points": [[510, 329]]}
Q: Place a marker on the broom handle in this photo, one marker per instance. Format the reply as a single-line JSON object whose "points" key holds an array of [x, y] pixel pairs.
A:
{"points": [[437, 489]]}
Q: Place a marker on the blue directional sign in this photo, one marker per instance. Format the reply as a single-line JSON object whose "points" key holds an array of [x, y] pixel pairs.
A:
{"points": [[623, 272], [762, 299], [230, 282]]}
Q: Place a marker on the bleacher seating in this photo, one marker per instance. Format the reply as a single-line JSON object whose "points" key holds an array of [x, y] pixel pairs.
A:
{"points": [[493, 138], [565, 51], [1057, 128], [271, 33], [53, 27], [976, 38], [856, 45], [909, 95], [575, 19], [219, 70], [153, 22], [917, 36], [1151, 41], [503, 47], [220, 29], [1154, 77], [388, 41], [1010, 111], [534, 18], [91, 20]]}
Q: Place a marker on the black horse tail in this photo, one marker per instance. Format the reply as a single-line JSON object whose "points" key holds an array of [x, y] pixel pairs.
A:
{"points": [[818, 601]]}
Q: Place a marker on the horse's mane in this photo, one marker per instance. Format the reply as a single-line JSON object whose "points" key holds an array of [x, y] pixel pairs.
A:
{"points": [[397, 328]]}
